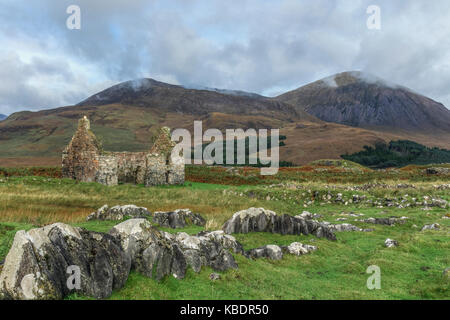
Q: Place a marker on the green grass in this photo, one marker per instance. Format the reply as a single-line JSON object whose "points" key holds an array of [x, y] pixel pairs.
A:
{"points": [[337, 270]]}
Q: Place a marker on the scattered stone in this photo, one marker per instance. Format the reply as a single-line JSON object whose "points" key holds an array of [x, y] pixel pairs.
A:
{"points": [[299, 249], [37, 264], [352, 214], [269, 251], [345, 227], [118, 213], [442, 186], [391, 243], [385, 221], [439, 203], [446, 273], [152, 250], [309, 215], [356, 198], [178, 218], [262, 220], [437, 170], [214, 276], [434, 226]]}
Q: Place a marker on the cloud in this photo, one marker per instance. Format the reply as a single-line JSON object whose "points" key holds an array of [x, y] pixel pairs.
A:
{"points": [[260, 46]]}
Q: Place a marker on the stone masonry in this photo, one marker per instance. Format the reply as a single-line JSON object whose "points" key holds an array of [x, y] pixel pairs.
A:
{"points": [[84, 160]]}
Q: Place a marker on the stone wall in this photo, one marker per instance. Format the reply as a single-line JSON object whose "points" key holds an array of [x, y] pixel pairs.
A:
{"points": [[157, 173], [84, 160], [176, 170], [80, 158], [131, 166], [107, 173]]}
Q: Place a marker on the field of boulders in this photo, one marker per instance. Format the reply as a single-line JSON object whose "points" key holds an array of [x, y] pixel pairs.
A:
{"points": [[60, 239]]}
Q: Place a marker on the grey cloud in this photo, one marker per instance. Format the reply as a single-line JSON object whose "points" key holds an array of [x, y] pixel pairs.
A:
{"points": [[264, 47]]}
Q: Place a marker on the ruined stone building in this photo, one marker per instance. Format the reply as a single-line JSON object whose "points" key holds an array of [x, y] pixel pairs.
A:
{"points": [[84, 160]]}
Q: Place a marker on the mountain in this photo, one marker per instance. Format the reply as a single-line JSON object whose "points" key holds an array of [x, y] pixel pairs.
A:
{"points": [[360, 100], [3, 117], [155, 95], [125, 117]]}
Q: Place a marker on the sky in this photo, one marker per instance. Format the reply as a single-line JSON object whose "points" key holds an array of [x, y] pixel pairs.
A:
{"points": [[262, 46]]}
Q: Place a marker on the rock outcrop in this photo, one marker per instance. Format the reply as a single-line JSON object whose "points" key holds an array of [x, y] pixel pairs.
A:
{"points": [[39, 263], [363, 100], [151, 253], [262, 220], [118, 213], [179, 218], [156, 251], [210, 249], [440, 203]]}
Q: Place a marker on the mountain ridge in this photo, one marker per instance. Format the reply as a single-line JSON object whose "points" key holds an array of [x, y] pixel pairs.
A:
{"points": [[126, 115], [361, 100]]}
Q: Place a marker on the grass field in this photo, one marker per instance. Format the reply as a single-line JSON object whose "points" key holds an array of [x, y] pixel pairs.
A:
{"points": [[337, 270]]}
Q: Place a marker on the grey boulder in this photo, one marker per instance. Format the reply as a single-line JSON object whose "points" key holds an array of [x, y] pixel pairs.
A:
{"points": [[269, 251], [298, 249], [385, 221], [179, 218], [118, 213], [390, 243], [157, 253], [38, 263], [151, 253], [344, 227], [210, 249]]}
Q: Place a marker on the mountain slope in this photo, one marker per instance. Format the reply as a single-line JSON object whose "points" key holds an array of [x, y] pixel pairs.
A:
{"points": [[160, 96], [360, 100], [126, 116], [3, 117]]}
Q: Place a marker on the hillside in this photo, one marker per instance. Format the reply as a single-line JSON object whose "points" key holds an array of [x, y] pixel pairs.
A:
{"points": [[3, 117], [126, 116], [163, 97], [360, 100], [398, 154]]}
